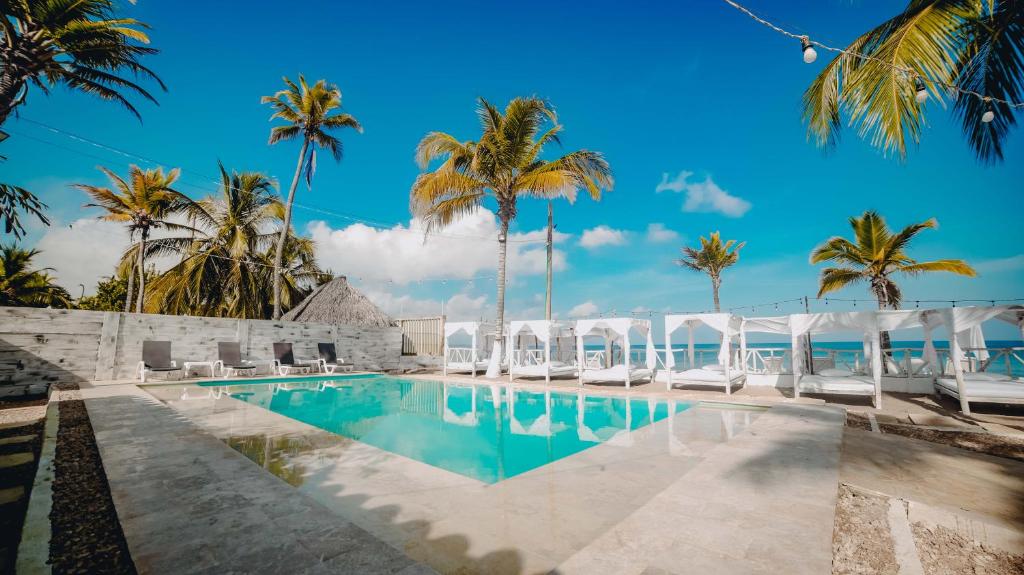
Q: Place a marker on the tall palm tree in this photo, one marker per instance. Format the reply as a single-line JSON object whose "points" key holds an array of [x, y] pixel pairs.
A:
{"points": [[712, 258], [82, 45], [505, 165], [145, 201], [874, 256], [20, 285], [226, 268], [308, 113], [977, 46]]}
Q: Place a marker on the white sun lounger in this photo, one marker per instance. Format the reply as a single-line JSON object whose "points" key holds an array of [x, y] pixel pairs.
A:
{"points": [[984, 388], [615, 373], [701, 377]]}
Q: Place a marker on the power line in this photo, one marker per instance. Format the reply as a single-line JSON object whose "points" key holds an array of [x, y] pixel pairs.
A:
{"points": [[386, 226], [909, 72]]}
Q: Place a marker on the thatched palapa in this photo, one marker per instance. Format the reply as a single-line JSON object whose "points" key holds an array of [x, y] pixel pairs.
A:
{"points": [[337, 302]]}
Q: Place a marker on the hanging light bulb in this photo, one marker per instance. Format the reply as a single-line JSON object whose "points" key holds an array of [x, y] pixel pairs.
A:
{"points": [[921, 94], [809, 53], [989, 114]]}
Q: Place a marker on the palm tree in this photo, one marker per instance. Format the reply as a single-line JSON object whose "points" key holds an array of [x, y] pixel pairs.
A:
{"points": [[20, 285], [14, 200], [226, 269], [504, 165], [874, 256], [712, 258], [932, 44], [81, 45], [145, 201], [308, 112]]}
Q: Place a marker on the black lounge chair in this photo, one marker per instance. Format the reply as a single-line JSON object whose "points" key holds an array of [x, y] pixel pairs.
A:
{"points": [[286, 359], [329, 359], [156, 357], [229, 358]]}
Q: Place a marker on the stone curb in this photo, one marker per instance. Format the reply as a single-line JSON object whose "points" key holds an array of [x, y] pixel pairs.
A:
{"points": [[34, 549]]}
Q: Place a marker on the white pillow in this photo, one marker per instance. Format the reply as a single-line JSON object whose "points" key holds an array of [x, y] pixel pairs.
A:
{"points": [[714, 367], [835, 372]]}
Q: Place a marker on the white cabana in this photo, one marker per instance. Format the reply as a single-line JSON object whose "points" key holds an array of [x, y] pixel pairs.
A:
{"points": [[615, 329], [778, 325], [464, 359], [835, 380], [725, 372], [964, 327], [534, 362]]}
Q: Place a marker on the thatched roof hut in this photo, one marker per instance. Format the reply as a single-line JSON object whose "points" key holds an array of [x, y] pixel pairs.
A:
{"points": [[337, 302]]}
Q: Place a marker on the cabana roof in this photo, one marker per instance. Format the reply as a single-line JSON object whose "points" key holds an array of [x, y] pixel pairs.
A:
{"points": [[337, 302]]}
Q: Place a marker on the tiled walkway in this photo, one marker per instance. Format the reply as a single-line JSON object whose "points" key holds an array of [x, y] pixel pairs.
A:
{"points": [[703, 492], [189, 504]]}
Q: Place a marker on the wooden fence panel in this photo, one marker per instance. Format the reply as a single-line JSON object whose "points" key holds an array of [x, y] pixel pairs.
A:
{"points": [[422, 336]]}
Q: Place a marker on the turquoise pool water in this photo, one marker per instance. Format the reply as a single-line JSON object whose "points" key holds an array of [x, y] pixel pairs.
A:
{"points": [[489, 433]]}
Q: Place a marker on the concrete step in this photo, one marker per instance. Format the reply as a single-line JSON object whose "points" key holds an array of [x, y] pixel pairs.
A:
{"points": [[15, 459], [11, 494], [16, 439]]}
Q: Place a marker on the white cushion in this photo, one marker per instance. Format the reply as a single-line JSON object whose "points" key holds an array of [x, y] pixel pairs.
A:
{"points": [[714, 367], [983, 376], [835, 372]]}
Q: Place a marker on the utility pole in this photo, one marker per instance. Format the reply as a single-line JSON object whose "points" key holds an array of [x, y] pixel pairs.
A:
{"points": [[551, 229]]}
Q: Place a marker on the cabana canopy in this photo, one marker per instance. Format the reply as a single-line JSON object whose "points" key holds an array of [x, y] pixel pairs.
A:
{"points": [[621, 327], [544, 331], [468, 359], [727, 324], [964, 327]]}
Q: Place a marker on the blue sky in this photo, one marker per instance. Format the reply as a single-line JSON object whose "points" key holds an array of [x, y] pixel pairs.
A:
{"points": [[658, 87]]}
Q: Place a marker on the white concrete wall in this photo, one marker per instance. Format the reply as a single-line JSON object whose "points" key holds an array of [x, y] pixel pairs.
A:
{"points": [[74, 345]]}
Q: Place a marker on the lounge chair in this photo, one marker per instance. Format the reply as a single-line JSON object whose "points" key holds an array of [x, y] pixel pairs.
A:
{"points": [[229, 359], [286, 359], [156, 357], [329, 360], [983, 387]]}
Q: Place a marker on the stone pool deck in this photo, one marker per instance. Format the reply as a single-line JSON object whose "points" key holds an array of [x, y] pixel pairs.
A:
{"points": [[732, 498]]}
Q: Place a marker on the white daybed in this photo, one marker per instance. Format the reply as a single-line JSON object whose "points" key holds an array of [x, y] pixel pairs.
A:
{"points": [[615, 329], [724, 373], [526, 363], [464, 359], [839, 381], [984, 387], [964, 327]]}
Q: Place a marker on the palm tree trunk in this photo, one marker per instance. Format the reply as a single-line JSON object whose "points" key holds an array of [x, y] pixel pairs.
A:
{"points": [[279, 256], [131, 290], [715, 284], [494, 368], [883, 336], [142, 271], [11, 85]]}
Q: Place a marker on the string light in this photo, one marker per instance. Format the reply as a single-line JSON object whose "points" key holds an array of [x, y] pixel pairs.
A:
{"points": [[921, 94], [808, 45], [810, 55], [989, 114]]}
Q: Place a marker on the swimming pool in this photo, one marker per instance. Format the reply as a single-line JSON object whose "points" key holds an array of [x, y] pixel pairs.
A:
{"points": [[487, 432]]}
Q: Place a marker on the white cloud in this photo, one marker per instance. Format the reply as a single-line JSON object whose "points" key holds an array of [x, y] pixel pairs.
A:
{"points": [[657, 233], [459, 307], [704, 196], [602, 236], [1000, 265], [584, 309], [401, 254], [83, 252]]}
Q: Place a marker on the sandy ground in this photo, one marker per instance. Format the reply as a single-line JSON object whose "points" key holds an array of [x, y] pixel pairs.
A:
{"points": [[861, 543]]}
